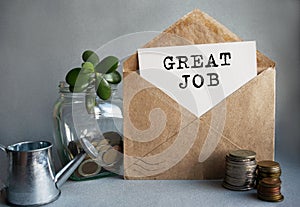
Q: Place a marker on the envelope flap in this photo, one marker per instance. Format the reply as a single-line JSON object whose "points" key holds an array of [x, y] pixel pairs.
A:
{"points": [[195, 28], [148, 114]]}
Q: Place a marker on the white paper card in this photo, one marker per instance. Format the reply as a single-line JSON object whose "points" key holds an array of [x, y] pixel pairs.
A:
{"points": [[199, 76]]}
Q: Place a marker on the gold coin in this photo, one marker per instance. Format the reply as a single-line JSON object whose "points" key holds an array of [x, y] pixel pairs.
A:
{"points": [[111, 156], [268, 164], [269, 170], [88, 168], [103, 148], [270, 182], [100, 142], [266, 175], [277, 198]]}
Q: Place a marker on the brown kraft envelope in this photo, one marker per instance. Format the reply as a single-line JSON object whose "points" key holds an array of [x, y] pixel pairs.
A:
{"points": [[163, 140]]}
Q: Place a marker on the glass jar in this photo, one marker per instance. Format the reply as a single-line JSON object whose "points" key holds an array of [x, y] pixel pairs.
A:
{"points": [[84, 115]]}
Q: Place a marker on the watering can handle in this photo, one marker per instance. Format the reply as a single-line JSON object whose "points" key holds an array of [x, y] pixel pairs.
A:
{"points": [[2, 185]]}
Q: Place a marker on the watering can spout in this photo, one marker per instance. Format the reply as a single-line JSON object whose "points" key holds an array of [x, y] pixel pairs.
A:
{"points": [[63, 175], [2, 147]]}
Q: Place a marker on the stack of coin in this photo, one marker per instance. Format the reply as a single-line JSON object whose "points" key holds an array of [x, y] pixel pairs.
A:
{"points": [[268, 181], [268, 169], [240, 170], [269, 190]]}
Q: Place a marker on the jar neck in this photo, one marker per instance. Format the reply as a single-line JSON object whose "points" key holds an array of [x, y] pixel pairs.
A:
{"points": [[89, 92], [66, 93], [77, 95]]}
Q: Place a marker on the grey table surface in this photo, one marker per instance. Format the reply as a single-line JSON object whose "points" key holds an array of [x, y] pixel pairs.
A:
{"points": [[115, 191]]}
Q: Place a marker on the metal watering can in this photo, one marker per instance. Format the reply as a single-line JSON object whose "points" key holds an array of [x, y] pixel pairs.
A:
{"points": [[31, 175]]}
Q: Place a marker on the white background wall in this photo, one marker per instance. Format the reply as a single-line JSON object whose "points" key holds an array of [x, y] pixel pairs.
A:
{"points": [[41, 40]]}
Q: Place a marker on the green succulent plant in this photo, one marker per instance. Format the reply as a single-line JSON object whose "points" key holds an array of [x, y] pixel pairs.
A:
{"points": [[93, 71]]}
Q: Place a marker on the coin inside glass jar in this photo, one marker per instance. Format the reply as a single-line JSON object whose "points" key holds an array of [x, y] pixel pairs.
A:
{"points": [[111, 156], [89, 168]]}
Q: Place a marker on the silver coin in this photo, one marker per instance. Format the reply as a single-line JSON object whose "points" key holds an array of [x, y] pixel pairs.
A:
{"points": [[236, 179], [253, 162], [241, 176], [247, 154], [240, 168], [243, 188], [239, 160]]}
